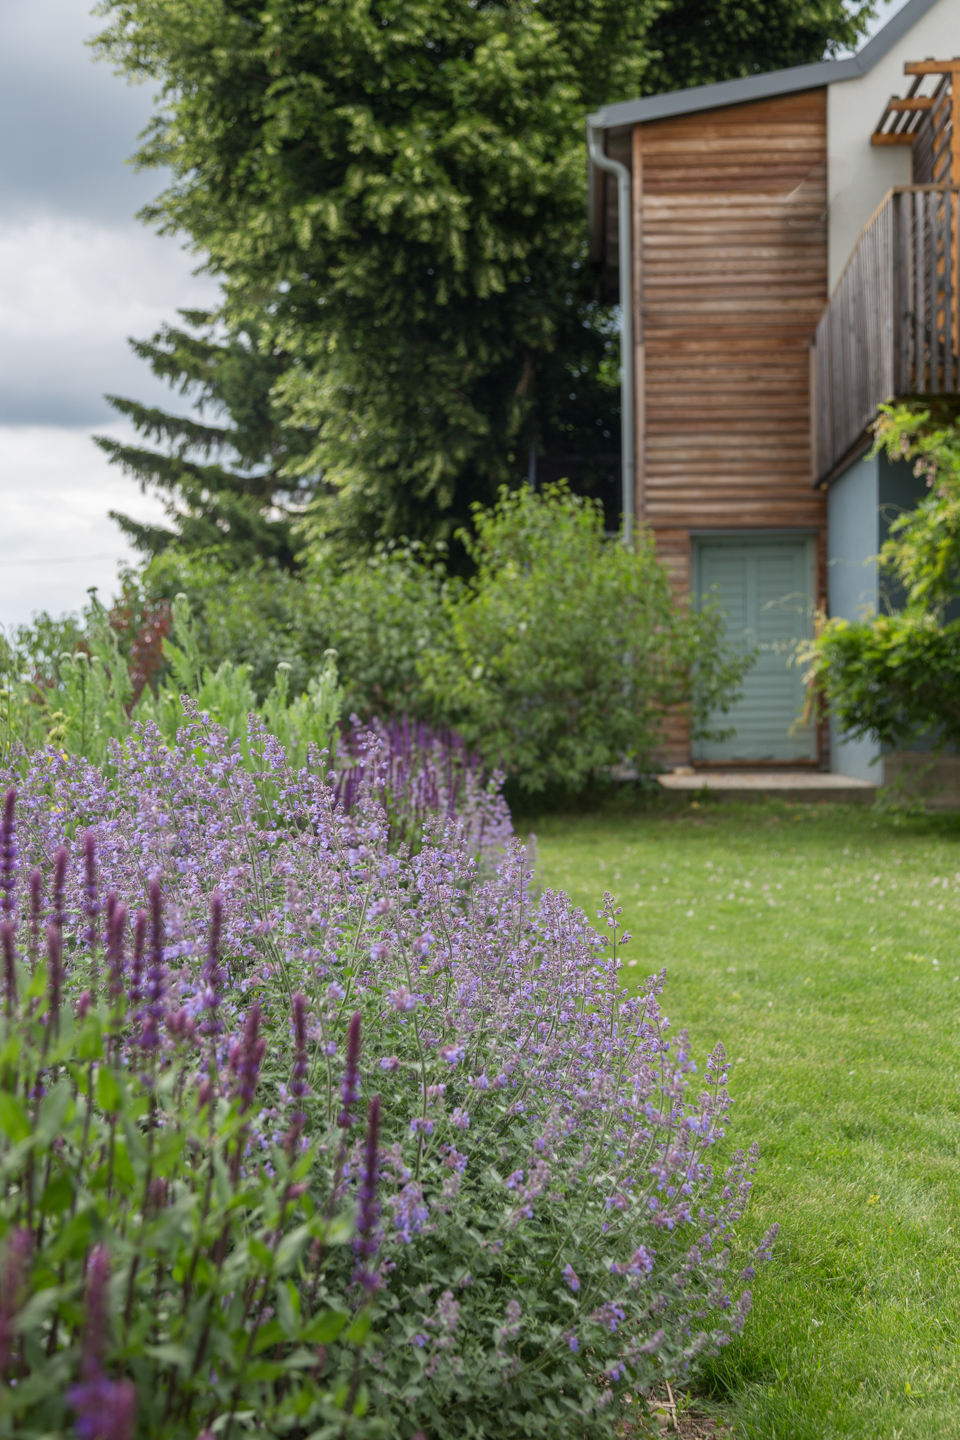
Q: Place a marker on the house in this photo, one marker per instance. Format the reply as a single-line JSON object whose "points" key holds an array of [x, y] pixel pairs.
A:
{"points": [[785, 250]]}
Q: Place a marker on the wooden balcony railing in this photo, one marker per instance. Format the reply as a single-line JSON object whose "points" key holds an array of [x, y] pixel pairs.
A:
{"points": [[891, 325]]}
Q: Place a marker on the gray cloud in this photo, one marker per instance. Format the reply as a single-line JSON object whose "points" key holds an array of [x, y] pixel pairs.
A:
{"points": [[67, 123]]}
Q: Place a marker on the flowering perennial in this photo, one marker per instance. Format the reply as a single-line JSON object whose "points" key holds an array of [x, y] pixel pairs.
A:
{"points": [[343, 1140]]}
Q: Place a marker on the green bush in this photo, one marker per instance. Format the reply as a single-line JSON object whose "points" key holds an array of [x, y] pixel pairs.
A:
{"points": [[565, 652], [897, 676]]}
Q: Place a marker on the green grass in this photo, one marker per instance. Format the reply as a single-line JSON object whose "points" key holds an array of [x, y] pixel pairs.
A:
{"points": [[805, 940]]}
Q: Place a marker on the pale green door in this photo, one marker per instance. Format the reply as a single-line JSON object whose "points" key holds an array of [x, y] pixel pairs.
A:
{"points": [[764, 587]]}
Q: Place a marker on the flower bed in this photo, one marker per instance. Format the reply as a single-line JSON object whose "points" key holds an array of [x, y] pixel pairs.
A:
{"points": [[305, 1137]]}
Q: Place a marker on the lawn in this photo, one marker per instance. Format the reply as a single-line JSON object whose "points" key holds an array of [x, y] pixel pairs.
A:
{"points": [[819, 944]]}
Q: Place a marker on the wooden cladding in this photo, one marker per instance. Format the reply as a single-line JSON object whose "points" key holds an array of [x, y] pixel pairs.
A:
{"points": [[731, 221], [891, 327]]}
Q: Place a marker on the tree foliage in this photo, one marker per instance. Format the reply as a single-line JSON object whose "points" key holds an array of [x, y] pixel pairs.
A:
{"points": [[897, 676], [242, 501], [395, 189]]}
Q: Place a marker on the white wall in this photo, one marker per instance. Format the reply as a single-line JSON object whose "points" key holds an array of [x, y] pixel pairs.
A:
{"points": [[852, 545], [860, 174]]}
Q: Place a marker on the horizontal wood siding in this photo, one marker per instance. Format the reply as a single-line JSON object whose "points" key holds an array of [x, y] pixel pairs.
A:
{"points": [[734, 278]]}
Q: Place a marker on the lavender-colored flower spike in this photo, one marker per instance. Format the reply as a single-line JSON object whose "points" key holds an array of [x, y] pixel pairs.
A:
{"points": [[212, 973], [153, 1009], [54, 974], [136, 970], [95, 1331], [12, 1291], [350, 1087], [59, 877], [35, 885], [246, 1056], [105, 1408], [368, 1241], [91, 903], [298, 1083], [116, 924], [298, 1079], [8, 944], [8, 855]]}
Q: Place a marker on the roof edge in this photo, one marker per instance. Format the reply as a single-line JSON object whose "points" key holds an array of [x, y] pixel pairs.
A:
{"points": [[761, 87]]}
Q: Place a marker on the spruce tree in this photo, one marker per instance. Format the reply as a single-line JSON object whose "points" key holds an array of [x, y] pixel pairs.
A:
{"points": [[222, 484]]}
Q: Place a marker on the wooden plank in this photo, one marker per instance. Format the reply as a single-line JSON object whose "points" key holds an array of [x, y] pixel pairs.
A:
{"points": [[734, 266]]}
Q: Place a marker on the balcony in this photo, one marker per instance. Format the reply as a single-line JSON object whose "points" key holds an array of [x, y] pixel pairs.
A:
{"points": [[890, 328]]}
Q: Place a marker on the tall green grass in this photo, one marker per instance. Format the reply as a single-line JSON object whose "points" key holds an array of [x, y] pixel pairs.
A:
{"points": [[820, 945]]}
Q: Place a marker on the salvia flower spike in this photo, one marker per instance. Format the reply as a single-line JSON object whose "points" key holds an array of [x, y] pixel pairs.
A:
{"points": [[350, 1086], [8, 855]]}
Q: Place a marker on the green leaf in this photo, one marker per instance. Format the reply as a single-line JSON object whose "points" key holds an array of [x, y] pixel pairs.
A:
{"points": [[13, 1117], [58, 1196], [73, 1240], [170, 1354], [288, 1309], [360, 1328], [291, 1247], [10, 1052], [89, 1045], [53, 1110], [108, 1091], [260, 1253], [37, 1310], [272, 1333], [324, 1327]]}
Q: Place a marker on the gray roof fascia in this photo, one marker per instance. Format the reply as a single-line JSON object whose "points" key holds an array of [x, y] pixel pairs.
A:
{"points": [[760, 87]]}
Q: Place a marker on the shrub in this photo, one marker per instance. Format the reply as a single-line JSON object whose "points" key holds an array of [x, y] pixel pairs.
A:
{"points": [[528, 1227], [567, 650], [896, 676]]}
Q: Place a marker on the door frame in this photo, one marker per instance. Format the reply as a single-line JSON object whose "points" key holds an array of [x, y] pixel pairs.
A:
{"points": [[808, 533]]}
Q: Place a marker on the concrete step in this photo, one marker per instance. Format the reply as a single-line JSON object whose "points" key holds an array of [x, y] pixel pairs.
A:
{"points": [[804, 787]]}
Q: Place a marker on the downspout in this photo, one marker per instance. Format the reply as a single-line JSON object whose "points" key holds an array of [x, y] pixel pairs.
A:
{"points": [[614, 167]]}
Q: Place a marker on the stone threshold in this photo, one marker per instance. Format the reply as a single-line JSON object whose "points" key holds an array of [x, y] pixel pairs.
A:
{"points": [[794, 786]]}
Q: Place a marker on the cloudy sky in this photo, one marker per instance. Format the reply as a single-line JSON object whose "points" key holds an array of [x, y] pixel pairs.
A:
{"points": [[78, 275]]}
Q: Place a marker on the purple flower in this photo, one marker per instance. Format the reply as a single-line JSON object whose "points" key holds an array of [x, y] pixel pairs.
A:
{"points": [[59, 877], [459, 1119], [136, 970], [572, 1278], [91, 904], [8, 944], [453, 1054], [212, 975], [95, 1330], [12, 1290], [35, 886], [390, 1062], [54, 974], [8, 854], [246, 1056], [106, 1409], [350, 1085], [571, 1338], [402, 1000], [116, 925], [367, 1242], [154, 1007]]}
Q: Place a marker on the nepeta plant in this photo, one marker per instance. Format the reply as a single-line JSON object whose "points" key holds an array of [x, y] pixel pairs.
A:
{"points": [[417, 772], [342, 1141]]}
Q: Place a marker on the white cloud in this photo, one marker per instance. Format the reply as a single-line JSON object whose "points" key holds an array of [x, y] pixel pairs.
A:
{"points": [[56, 538]]}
